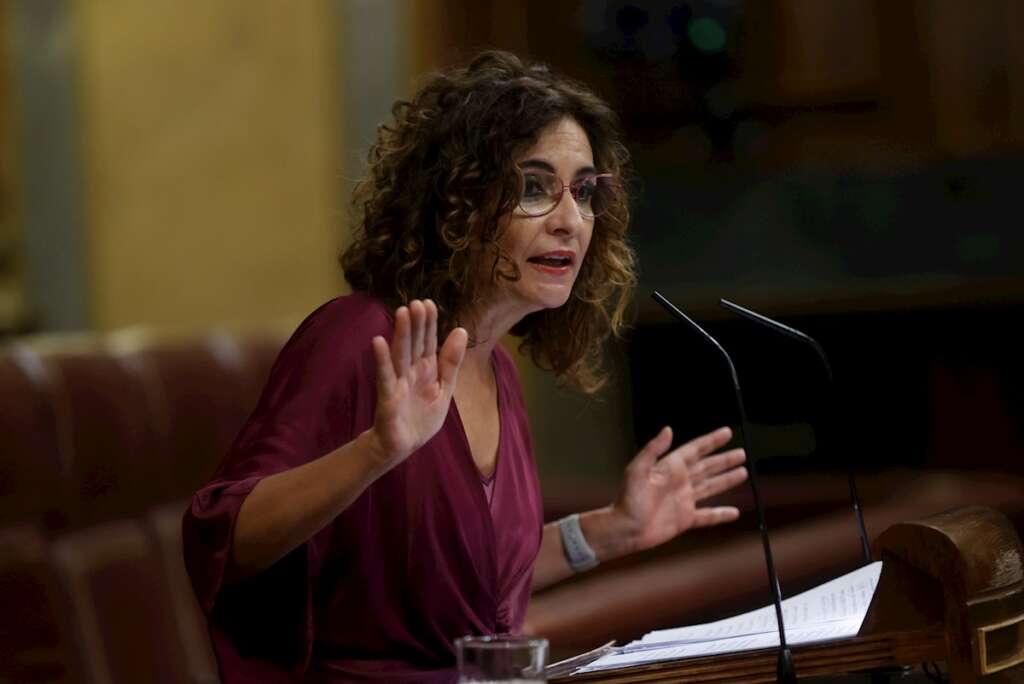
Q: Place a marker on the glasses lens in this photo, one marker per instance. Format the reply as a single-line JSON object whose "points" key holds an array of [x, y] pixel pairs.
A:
{"points": [[539, 193], [592, 194]]}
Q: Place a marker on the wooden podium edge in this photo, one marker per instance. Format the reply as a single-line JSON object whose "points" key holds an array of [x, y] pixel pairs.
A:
{"points": [[849, 655]]}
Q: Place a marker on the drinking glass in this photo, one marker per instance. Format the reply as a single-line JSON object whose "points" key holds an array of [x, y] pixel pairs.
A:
{"points": [[501, 658]]}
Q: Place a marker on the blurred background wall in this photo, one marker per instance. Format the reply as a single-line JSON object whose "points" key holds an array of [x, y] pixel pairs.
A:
{"points": [[847, 165]]}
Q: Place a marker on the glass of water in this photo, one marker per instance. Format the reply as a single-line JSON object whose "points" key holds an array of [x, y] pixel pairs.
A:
{"points": [[501, 658]]}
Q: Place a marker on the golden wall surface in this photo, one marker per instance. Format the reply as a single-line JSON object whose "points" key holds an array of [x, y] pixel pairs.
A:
{"points": [[210, 146]]}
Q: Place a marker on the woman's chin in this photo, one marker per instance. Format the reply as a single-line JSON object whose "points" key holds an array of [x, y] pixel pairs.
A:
{"points": [[539, 299], [556, 301]]}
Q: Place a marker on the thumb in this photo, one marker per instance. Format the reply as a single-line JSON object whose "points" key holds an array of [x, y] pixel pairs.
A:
{"points": [[450, 359]]}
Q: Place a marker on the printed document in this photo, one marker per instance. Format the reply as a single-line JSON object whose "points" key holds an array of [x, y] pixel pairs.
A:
{"points": [[833, 610]]}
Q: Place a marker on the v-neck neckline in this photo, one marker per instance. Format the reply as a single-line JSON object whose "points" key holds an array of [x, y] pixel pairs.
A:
{"points": [[499, 402], [473, 476]]}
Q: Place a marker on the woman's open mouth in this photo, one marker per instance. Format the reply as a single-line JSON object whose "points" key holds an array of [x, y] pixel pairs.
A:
{"points": [[555, 263]]}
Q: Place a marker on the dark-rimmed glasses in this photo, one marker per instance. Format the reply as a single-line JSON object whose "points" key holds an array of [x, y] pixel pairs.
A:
{"points": [[543, 190]]}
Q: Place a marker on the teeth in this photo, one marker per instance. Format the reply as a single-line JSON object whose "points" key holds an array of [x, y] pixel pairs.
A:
{"points": [[556, 261]]}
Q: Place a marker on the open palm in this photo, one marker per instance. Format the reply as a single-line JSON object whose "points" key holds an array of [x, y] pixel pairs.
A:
{"points": [[660, 498], [415, 384]]}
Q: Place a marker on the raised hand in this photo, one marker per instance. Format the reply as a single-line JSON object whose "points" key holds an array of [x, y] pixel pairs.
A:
{"points": [[659, 499], [414, 382]]}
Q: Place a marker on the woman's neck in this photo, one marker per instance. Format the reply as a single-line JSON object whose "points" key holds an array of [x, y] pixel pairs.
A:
{"points": [[486, 328], [477, 362]]}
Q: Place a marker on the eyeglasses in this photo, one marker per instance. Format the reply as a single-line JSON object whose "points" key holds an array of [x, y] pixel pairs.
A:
{"points": [[543, 190]]}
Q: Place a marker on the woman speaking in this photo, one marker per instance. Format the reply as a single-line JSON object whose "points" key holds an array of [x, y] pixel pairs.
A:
{"points": [[382, 499]]}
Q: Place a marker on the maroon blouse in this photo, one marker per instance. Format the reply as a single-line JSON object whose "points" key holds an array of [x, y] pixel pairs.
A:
{"points": [[419, 559]]}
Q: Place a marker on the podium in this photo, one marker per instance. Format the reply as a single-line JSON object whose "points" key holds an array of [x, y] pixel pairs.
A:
{"points": [[951, 591]]}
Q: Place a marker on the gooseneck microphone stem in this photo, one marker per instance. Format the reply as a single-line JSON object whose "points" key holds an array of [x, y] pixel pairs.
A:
{"points": [[785, 672], [795, 334]]}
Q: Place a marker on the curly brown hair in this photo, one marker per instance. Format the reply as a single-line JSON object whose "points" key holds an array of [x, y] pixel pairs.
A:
{"points": [[443, 173]]}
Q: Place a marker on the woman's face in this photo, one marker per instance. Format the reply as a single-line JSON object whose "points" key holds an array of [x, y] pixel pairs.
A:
{"points": [[549, 249]]}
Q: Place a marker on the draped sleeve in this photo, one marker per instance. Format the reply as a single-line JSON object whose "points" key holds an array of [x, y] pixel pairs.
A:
{"points": [[262, 627]]}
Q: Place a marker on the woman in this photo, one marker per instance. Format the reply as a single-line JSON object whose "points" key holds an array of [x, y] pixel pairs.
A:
{"points": [[382, 499]]}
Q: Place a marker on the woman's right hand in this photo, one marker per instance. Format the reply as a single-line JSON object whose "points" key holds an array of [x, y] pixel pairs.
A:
{"points": [[415, 383], [414, 390]]}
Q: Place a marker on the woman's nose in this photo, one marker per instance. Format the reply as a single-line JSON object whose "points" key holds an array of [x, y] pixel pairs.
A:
{"points": [[566, 216]]}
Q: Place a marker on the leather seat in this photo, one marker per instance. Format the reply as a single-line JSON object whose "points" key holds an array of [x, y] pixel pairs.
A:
{"points": [[256, 355], [113, 447], [120, 600], [201, 402], [34, 644], [104, 438], [34, 472], [164, 525]]}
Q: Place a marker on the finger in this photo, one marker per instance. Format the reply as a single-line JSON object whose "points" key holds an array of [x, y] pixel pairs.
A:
{"points": [[430, 337], [694, 454], [385, 370], [705, 517], [452, 353], [720, 483], [718, 463], [418, 319], [648, 456], [699, 447], [400, 344]]}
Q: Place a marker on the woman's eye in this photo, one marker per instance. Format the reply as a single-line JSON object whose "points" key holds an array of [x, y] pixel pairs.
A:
{"points": [[585, 190], [533, 187]]}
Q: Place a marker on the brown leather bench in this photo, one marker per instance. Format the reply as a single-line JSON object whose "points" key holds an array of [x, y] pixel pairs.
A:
{"points": [[104, 439]]}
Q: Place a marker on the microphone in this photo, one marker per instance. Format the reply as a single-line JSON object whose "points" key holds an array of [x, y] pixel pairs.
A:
{"points": [[795, 334], [785, 673]]}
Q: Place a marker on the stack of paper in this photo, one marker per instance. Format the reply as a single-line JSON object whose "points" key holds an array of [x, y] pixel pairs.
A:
{"points": [[834, 610]]}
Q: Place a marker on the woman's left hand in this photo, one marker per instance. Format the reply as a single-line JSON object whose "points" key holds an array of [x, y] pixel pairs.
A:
{"points": [[659, 498]]}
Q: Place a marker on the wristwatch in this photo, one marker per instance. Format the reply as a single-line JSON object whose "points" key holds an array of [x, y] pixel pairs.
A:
{"points": [[577, 551]]}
